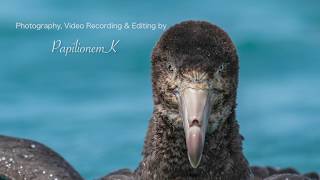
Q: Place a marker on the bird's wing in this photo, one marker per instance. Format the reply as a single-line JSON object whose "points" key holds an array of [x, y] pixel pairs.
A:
{"points": [[26, 159]]}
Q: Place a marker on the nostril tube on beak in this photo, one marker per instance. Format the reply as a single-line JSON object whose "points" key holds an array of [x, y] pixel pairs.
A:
{"points": [[194, 108], [195, 122]]}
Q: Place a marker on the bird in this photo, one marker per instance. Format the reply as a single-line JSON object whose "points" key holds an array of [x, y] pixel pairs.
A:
{"points": [[193, 132], [22, 159]]}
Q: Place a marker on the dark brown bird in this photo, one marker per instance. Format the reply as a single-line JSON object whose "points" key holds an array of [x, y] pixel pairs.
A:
{"points": [[193, 133]]}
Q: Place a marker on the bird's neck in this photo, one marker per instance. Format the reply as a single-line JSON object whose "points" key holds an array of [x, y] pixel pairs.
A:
{"points": [[165, 153]]}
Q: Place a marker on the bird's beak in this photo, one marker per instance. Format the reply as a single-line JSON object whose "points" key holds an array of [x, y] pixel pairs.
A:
{"points": [[194, 108]]}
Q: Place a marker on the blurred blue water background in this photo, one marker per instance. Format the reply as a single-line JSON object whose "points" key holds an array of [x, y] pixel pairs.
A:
{"points": [[94, 109]]}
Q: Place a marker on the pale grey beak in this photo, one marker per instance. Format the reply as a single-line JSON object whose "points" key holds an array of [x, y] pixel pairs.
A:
{"points": [[194, 108]]}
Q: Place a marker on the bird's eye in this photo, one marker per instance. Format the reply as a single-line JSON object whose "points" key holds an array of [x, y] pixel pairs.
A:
{"points": [[176, 92], [221, 67], [217, 91], [170, 68]]}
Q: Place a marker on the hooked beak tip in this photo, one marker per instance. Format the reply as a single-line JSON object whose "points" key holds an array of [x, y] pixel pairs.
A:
{"points": [[195, 145]]}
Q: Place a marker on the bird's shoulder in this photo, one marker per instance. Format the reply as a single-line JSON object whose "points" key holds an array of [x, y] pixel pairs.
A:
{"points": [[271, 173]]}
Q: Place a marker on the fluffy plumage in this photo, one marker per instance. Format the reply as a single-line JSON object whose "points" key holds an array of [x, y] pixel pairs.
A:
{"points": [[201, 54], [193, 51]]}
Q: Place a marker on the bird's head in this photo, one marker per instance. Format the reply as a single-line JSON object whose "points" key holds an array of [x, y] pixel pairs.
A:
{"points": [[195, 75]]}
